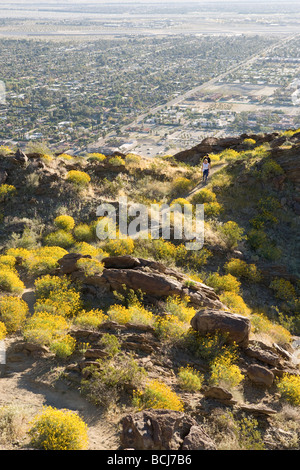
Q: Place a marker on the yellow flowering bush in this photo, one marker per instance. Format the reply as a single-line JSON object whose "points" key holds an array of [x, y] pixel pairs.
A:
{"points": [[224, 371], [6, 190], [241, 269], [10, 281], [50, 330], [55, 429], [231, 234], [90, 266], [283, 289], [157, 395], [226, 283], [78, 178], [260, 324], [21, 253], [44, 285], [212, 209], [96, 157], [65, 156], [289, 388], [235, 303], [83, 233], [170, 328], [119, 247], [43, 260], [177, 306], [64, 222], [3, 330], [64, 301], [7, 261], [84, 248], [116, 161], [181, 185], [90, 319], [189, 379], [135, 313], [13, 312], [204, 196]]}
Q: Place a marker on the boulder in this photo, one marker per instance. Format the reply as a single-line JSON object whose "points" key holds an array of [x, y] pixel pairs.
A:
{"points": [[268, 357], [219, 393], [157, 429], [260, 375], [68, 263], [235, 327]]}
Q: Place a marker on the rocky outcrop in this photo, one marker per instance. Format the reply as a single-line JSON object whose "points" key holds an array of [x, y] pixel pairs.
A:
{"points": [[154, 279], [163, 430], [260, 375], [235, 327], [217, 145]]}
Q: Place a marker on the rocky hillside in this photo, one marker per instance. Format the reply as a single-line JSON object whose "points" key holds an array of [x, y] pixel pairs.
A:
{"points": [[176, 349]]}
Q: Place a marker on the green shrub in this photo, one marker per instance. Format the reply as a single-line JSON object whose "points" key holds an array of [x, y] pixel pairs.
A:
{"points": [[190, 379], [6, 191], [59, 238], [231, 234], [241, 269], [203, 196], [83, 233]]}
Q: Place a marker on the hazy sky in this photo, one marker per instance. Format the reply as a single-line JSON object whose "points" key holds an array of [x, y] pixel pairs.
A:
{"points": [[41, 2]]}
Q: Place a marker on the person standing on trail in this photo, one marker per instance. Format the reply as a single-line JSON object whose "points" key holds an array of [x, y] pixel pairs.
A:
{"points": [[205, 169]]}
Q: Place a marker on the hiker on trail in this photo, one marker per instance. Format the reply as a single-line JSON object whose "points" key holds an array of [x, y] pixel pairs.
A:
{"points": [[205, 169]]}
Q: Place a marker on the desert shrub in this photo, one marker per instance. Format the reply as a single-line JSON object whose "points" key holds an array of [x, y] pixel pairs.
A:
{"points": [[65, 156], [177, 306], [157, 395], [119, 247], [115, 375], [116, 161], [260, 324], [169, 328], [249, 142], [13, 312], [50, 330], [7, 261], [180, 201], [4, 150], [229, 154], [206, 347], [19, 252], [10, 281], [132, 160], [189, 379], [90, 266], [80, 179], [13, 423], [135, 313], [225, 372], [270, 169], [181, 185], [195, 259], [283, 289], [83, 233], [248, 434], [59, 238], [289, 388], [235, 303], [212, 209], [46, 284], [96, 157], [65, 301], [203, 196], [3, 330], [226, 283], [164, 249], [231, 234], [64, 222], [240, 269], [84, 248], [43, 260], [54, 429], [6, 191], [90, 319]]}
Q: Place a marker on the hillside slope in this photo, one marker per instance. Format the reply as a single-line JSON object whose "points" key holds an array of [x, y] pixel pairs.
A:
{"points": [[145, 331]]}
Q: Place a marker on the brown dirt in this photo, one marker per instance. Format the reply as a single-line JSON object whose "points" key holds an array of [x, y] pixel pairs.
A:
{"points": [[30, 384]]}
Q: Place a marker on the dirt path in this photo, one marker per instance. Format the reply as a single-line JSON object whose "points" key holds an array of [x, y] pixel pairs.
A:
{"points": [[30, 384], [214, 169]]}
